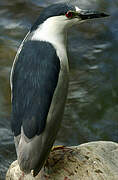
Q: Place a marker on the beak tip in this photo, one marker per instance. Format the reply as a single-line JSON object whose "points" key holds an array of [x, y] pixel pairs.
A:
{"points": [[105, 15]]}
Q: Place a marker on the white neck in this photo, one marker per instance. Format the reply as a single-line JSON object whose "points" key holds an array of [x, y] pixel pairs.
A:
{"points": [[53, 31]]}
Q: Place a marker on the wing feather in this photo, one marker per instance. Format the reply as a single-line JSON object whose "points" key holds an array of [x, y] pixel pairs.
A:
{"points": [[34, 79]]}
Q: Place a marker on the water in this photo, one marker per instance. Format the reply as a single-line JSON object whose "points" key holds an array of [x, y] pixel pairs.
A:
{"points": [[91, 111]]}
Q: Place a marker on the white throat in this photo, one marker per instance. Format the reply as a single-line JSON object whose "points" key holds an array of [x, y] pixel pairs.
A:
{"points": [[53, 30]]}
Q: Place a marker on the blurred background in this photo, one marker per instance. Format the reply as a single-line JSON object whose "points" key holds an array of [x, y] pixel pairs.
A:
{"points": [[91, 111]]}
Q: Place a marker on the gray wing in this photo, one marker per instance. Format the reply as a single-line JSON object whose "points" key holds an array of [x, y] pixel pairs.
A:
{"points": [[34, 79]]}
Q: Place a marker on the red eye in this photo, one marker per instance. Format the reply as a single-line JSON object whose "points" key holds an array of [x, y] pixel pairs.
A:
{"points": [[69, 14]]}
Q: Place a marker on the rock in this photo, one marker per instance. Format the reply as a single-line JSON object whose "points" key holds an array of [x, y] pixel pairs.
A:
{"points": [[90, 161]]}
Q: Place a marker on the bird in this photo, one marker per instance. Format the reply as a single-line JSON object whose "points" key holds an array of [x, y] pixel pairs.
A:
{"points": [[39, 83]]}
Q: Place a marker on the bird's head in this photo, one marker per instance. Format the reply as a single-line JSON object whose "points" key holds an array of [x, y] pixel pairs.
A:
{"points": [[64, 15]]}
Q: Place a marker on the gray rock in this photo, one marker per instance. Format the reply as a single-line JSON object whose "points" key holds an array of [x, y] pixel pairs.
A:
{"points": [[90, 161]]}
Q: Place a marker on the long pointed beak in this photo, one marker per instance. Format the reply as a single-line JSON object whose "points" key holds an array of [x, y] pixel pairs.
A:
{"points": [[88, 14]]}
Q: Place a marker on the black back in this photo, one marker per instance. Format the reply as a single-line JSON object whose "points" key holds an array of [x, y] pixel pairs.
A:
{"points": [[50, 11], [34, 80]]}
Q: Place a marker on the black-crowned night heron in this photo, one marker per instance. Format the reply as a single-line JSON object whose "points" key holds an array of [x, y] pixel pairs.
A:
{"points": [[39, 83]]}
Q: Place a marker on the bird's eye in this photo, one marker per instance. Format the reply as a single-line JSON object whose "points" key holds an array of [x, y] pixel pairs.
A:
{"points": [[69, 14]]}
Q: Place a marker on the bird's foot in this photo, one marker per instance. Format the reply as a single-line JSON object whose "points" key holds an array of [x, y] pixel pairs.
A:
{"points": [[57, 147], [54, 157], [61, 147]]}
